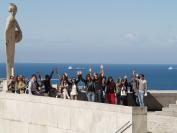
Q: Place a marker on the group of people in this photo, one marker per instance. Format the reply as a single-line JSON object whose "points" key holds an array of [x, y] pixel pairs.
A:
{"points": [[97, 87]]}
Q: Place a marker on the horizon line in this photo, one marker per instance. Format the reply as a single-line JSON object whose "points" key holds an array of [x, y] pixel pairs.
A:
{"points": [[92, 63]]}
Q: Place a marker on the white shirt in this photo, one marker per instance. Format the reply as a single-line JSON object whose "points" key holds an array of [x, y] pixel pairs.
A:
{"points": [[29, 87], [73, 90], [142, 85], [123, 91]]}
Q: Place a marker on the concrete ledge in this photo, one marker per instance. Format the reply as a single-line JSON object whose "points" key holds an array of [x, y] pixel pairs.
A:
{"points": [[35, 114], [156, 100]]}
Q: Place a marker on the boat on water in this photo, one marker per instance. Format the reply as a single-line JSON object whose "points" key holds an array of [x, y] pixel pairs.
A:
{"points": [[171, 68], [77, 68]]}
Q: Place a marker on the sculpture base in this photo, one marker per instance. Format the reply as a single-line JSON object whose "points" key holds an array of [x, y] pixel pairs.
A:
{"points": [[4, 84]]}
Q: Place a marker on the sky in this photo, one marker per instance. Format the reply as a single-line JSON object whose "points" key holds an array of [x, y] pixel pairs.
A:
{"points": [[94, 31]]}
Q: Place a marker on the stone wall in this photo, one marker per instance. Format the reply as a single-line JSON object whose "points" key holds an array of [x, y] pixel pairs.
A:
{"points": [[20, 113]]}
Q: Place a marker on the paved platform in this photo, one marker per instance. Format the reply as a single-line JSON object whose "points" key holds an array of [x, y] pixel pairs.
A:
{"points": [[164, 121]]}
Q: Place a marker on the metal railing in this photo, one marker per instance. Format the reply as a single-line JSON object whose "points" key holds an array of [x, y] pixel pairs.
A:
{"points": [[124, 127]]}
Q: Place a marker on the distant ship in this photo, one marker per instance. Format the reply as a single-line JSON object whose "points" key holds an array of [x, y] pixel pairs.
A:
{"points": [[77, 68], [171, 68], [70, 68]]}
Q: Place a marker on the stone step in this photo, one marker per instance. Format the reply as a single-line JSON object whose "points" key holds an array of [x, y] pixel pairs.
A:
{"points": [[166, 109], [166, 113], [173, 106]]}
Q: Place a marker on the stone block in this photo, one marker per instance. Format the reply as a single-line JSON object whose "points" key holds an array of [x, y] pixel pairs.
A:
{"points": [[34, 128], [4, 126], [50, 115], [166, 109], [18, 127]]}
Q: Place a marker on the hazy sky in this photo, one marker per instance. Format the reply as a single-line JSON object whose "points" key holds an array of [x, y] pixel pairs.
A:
{"points": [[94, 31]]}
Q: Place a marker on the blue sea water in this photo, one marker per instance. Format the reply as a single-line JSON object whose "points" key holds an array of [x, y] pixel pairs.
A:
{"points": [[158, 76]]}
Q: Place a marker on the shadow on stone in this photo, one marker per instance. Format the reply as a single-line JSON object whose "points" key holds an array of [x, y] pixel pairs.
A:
{"points": [[152, 103]]}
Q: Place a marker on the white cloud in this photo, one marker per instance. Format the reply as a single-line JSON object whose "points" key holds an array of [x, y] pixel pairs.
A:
{"points": [[131, 36]]}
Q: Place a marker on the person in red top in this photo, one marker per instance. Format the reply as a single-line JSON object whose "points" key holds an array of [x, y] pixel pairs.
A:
{"points": [[110, 92]]}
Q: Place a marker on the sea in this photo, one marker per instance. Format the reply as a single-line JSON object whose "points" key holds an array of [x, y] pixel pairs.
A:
{"points": [[158, 76]]}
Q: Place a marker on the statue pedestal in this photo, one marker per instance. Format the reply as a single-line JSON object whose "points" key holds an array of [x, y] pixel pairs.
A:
{"points": [[4, 86]]}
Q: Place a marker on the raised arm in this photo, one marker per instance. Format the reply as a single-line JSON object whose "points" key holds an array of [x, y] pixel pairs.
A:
{"points": [[51, 74], [82, 79], [101, 69], [78, 80], [66, 77], [17, 26]]}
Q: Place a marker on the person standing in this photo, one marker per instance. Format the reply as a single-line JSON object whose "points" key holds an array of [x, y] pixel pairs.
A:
{"points": [[90, 90], [110, 92], [64, 88], [47, 83], [142, 90], [118, 91], [98, 86], [134, 84], [73, 85]]}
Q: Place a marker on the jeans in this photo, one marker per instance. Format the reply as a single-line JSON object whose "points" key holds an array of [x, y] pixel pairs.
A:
{"points": [[73, 97], [141, 98], [118, 98], [91, 96], [98, 97]]}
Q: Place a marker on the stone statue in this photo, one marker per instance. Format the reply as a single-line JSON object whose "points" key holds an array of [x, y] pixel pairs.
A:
{"points": [[13, 34]]}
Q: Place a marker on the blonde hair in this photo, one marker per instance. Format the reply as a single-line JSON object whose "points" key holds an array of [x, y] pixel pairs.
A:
{"points": [[12, 7]]}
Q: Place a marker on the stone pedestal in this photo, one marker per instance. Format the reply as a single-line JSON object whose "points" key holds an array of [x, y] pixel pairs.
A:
{"points": [[4, 86]]}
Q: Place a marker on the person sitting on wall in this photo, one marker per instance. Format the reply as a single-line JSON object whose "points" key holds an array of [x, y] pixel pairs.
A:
{"points": [[11, 84], [20, 84], [33, 86]]}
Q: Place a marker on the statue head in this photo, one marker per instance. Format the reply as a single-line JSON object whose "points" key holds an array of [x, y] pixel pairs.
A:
{"points": [[13, 9]]}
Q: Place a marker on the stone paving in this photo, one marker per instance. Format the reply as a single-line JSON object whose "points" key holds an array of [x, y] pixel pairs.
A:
{"points": [[164, 121]]}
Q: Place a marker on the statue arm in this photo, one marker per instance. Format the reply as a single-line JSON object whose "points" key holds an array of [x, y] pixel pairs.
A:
{"points": [[18, 27], [18, 32]]}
